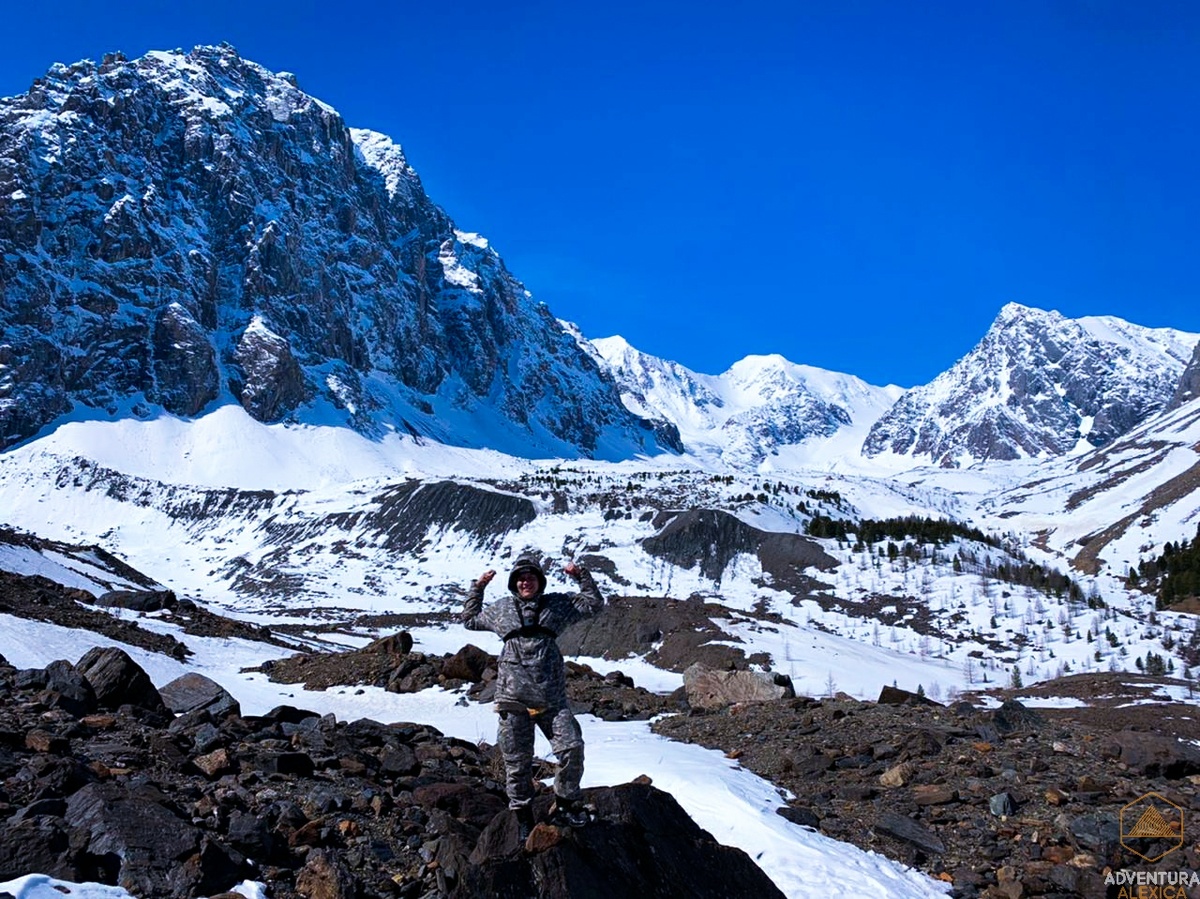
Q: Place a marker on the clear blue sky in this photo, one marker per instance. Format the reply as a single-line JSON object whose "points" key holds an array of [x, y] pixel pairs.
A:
{"points": [[858, 186]]}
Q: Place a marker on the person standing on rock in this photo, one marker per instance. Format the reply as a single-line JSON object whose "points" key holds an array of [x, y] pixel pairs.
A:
{"points": [[531, 683]]}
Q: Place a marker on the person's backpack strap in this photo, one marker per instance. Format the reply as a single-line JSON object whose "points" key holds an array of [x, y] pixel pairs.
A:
{"points": [[530, 630]]}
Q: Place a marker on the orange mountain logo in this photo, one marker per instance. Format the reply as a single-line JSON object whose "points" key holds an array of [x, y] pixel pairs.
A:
{"points": [[1152, 827]]}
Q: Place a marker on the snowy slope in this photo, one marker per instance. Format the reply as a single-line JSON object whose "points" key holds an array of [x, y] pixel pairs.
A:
{"points": [[763, 406], [311, 529], [1116, 506]]}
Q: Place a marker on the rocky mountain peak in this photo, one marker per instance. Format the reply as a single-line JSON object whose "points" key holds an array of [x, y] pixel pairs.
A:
{"points": [[1189, 382], [759, 405], [1037, 384], [187, 230]]}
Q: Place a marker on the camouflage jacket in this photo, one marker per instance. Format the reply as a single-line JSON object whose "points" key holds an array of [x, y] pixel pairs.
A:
{"points": [[531, 671]]}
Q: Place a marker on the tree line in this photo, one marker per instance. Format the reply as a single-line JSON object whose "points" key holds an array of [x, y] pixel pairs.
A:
{"points": [[1174, 576], [936, 531]]}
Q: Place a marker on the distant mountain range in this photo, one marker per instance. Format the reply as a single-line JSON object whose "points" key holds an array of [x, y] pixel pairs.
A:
{"points": [[1037, 385], [184, 231]]}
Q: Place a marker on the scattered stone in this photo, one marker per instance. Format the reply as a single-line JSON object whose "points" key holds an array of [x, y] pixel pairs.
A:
{"points": [[194, 692], [710, 688], [904, 828], [41, 741], [802, 816], [932, 794], [897, 775], [1002, 805], [214, 764], [1055, 796]]}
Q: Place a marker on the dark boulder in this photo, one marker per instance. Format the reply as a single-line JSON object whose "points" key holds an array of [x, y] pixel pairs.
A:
{"points": [[66, 688], [895, 696], [138, 600], [38, 843], [156, 852], [911, 831], [118, 680], [1155, 755], [192, 692], [641, 843], [468, 664], [398, 644], [1012, 716]]}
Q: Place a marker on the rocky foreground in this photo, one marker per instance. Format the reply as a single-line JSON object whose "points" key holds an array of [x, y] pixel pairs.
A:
{"points": [[173, 794], [1000, 804], [995, 797]]}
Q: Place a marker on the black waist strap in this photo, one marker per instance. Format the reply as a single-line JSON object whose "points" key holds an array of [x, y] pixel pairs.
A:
{"points": [[530, 630]]}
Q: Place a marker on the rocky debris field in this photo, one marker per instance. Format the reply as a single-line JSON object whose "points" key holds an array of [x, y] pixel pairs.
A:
{"points": [[172, 793], [40, 599], [391, 664], [1000, 804], [997, 798]]}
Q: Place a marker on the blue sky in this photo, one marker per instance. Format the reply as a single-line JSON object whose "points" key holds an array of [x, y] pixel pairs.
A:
{"points": [[858, 186]]}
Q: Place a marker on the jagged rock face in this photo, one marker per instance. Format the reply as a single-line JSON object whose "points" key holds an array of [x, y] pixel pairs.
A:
{"points": [[184, 363], [274, 381], [186, 229], [1189, 382], [1037, 384]]}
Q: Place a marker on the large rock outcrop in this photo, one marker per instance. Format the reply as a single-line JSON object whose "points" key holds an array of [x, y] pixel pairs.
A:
{"points": [[1189, 382], [187, 229]]}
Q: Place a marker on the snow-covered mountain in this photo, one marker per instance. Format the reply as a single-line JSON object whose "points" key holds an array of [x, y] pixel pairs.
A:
{"points": [[1189, 382], [760, 407], [242, 350], [1038, 384], [1115, 506], [183, 231]]}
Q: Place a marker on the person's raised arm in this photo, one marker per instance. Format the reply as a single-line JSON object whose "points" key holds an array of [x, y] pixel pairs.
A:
{"points": [[474, 601], [589, 600]]}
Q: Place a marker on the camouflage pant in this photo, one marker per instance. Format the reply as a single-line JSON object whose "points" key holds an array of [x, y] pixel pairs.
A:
{"points": [[516, 745]]}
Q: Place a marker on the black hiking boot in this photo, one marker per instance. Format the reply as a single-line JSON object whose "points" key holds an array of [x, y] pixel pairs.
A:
{"points": [[569, 813]]}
